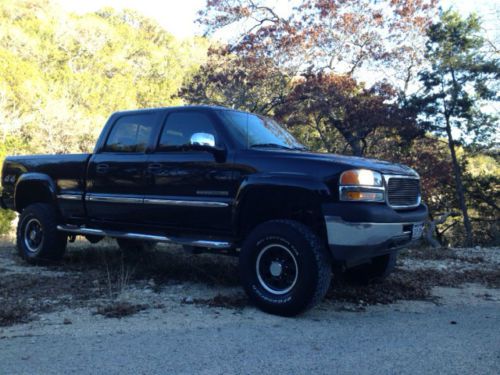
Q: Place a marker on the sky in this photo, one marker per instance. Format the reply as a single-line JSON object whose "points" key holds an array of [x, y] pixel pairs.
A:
{"points": [[178, 16]]}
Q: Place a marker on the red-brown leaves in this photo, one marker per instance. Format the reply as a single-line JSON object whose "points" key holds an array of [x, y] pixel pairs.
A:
{"points": [[340, 35], [339, 103]]}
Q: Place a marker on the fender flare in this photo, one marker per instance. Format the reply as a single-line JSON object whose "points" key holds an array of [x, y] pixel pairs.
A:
{"points": [[284, 182], [35, 178]]}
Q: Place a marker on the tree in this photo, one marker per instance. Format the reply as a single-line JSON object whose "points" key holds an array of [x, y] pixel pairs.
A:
{"points": [[250, 83], [328, 35], [322, 49], [482, 179], [457, 87], [62, 74], [337, 104]]}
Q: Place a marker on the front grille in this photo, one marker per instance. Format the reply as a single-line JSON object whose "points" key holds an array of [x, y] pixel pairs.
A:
{"points": [[403, 192]]}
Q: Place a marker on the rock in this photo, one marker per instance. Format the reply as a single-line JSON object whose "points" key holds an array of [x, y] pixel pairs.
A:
{"points": [[187, 300], [67, 321]]}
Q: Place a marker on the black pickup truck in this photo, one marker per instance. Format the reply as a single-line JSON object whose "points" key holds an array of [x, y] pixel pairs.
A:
{"points": [[226, 181]]}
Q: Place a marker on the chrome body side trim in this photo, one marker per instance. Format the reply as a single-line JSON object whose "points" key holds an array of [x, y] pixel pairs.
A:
{"points": [[220, 193], [110, 198], [187, 203], [118, 198], [148, 237], [343, 233], [70, 197]]}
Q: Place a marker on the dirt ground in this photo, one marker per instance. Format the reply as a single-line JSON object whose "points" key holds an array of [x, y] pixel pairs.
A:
{"points": [[100, 277], [169, 312]]}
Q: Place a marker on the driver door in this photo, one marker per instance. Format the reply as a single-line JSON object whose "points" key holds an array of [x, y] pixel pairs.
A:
{"points": [[187, 187]]}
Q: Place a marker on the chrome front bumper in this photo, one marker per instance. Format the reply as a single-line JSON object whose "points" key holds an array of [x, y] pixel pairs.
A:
{"points": [[343, 233]]}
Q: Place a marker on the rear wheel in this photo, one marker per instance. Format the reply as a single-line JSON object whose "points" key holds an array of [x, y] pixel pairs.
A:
{"points": [[134, 246], [284, 267], [376, 271], [37, 237]]}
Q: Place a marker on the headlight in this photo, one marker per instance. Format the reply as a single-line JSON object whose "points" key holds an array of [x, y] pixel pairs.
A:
{"points": [[361, 185]]}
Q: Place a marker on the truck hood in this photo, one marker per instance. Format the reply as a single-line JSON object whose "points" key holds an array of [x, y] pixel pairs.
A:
{"points": [[381, 166]]}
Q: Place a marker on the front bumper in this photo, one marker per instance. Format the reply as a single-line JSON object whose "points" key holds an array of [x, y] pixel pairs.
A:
{"points": [[358, 232]]}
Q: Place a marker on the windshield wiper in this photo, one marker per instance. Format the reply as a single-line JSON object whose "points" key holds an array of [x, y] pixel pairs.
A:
{"points": [[272, 145]]}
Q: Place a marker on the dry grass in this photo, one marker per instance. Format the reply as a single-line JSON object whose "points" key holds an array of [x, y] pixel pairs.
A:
{"points": [[120, 309], [90, 273]]}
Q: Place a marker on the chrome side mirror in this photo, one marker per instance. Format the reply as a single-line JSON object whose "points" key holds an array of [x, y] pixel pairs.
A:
{"points": [[203, 139]]}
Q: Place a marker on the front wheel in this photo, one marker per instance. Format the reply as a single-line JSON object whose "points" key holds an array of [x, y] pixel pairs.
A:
{"points": [[37, 237], [284, 267]]}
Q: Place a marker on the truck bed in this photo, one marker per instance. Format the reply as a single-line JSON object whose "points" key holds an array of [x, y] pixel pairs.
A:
{"points": [[66, 171]]}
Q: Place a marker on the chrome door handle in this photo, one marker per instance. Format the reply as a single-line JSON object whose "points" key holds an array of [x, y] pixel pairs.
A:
{"points": [[102, 168]]}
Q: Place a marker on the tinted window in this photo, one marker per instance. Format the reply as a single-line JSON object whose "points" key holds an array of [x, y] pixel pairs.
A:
{"points": [[180, 126], [130, 134], [253, 131]]}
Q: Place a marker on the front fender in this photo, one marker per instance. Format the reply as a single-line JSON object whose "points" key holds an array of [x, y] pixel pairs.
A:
{"points": [[287, 186]]}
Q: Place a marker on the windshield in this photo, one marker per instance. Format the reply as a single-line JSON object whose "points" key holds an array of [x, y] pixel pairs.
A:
{"points": [[254, 131]]}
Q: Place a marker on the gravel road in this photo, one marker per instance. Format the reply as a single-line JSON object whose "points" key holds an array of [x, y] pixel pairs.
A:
{"points": [[403, 338], [457, 331]]}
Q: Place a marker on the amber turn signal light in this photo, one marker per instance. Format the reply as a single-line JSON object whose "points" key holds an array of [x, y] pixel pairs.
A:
{"points": [[363, 177]]}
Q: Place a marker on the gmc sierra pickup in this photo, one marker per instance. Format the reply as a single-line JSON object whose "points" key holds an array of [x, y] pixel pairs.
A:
{"points": [[226, 181]]}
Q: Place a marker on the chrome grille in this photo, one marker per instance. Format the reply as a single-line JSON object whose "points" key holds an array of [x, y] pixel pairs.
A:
{"points": [[403, 191]]}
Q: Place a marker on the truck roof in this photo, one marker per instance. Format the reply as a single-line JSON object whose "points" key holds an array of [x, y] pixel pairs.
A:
{"points": [[201, 106]]}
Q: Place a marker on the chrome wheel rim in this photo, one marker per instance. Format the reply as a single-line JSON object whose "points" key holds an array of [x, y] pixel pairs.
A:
{"points": [[33, 235], [277, 269]]}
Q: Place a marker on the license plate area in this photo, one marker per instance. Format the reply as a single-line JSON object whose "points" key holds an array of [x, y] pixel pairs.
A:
{"points": [[416, 231]]}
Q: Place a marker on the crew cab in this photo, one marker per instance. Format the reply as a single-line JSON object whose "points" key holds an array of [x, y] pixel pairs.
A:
{"points": [[226, 181]]}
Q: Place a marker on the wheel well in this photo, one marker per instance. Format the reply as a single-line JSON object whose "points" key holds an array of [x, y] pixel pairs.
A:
{"points": [[32, 192], [266, 204]]}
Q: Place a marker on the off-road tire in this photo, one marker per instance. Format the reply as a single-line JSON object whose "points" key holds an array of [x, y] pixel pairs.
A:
{"points": [[37, 238], [373, 272], [291, 245], [135, 246]]}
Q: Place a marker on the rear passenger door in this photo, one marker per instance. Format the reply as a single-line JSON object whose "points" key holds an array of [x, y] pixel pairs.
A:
{"points": [[188, 188], [116, 173]]}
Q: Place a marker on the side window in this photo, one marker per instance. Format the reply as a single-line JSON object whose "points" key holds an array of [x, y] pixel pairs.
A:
{"points": [[180, 126], [130, 133]]}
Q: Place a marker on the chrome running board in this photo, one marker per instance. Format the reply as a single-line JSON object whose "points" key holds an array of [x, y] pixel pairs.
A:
{"points": [[147, 237]]}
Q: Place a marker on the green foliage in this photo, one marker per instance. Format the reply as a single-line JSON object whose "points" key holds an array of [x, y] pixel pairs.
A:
{"points": [[61, 74], [6, 217], [462, 81]]}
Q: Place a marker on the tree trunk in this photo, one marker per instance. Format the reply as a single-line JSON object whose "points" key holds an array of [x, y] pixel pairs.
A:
{"points": [[356, 147], [354, 142], [459, 184]]}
